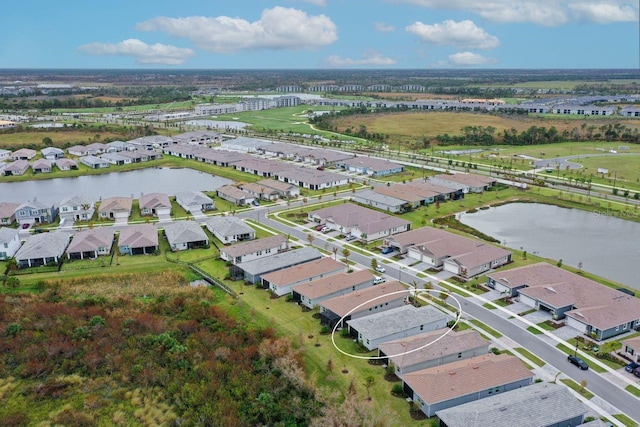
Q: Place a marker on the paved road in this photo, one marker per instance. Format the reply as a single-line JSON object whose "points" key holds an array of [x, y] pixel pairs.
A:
{"points": [[606, 390]]}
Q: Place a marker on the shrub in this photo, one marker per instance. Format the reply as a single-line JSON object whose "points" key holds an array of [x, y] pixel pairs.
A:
{"points": [[397, 390]]}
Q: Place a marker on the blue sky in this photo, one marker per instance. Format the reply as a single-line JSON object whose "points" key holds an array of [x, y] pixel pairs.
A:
{"points": [[416, 34]]}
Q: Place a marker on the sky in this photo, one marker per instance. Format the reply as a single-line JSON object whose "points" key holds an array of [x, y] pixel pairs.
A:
{"points": [[313, 34]]}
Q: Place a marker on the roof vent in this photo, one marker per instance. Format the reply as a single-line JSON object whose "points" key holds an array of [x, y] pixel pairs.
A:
{"points": [[504, 408]]}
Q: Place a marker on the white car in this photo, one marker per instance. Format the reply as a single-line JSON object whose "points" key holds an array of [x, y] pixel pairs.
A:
{"points": [[325, 229], [380, 269], [378, 280]]}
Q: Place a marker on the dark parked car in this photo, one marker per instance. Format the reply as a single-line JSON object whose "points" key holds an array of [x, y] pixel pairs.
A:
{"points": [[636, 372], [578, 362], [387, 249], [631, 366]]}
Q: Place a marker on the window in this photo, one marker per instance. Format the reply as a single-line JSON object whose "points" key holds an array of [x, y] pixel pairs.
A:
{"points": [[421, 327], [459, 355]]}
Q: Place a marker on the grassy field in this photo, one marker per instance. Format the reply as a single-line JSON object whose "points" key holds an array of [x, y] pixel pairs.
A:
{"points": [[413, 126], [13, 141]]}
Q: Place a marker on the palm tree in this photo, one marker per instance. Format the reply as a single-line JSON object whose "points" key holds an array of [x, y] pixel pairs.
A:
{"points": [[310, 238], [335, 252], [346, 253]]}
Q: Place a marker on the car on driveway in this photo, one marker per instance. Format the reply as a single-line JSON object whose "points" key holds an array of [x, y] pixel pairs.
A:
{"points": [[380, 269], [325, 229], [575, 360], [631, 366], [387, 249], [636, 372], [350, 237], [319, 227]]}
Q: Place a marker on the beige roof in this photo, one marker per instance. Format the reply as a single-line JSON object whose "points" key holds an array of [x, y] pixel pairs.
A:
{"points": [[452, 343], [372, 163], [632, 342], [469, 179], [251, 246], [303, 271], [481, 254], [263, 165], [334, 283], [367, 220], [257, 188], [430, 187], [139, 236], [113, 204], [92, 239], [445, 244], [7, 209], [446, 382], [593, 303], [418, 235], [155, 200], [234, 192], [277, 185], [399, 192], [343, 304]]}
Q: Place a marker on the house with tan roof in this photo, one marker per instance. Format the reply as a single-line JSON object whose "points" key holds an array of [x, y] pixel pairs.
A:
{"points": [[587, 306], [354, 305], [91, 243], [408, 195], [631, 348], [363, 223], [155, 204], [284, 190], [66, 164], [324, 157], [23, 154], [433, 348], [42, 166], [16, 168], [445, 386], [254, 249], [235, 195], [229, 229], [115, 208], [138, 240], [8, 212], [313, 293], [259, 191], [399, 322], [431, 189], [280, 282], [480, 259]]}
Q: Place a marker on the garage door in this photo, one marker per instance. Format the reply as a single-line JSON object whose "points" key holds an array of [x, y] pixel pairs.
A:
{"points": [[576, 324]]}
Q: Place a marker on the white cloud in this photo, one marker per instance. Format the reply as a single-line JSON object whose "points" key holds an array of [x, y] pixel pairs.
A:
{"points": [[369, 59], [141, 52], [603, 13], [540, 12], [464, 34], [383, 28], [469, 59], [277, 28]]}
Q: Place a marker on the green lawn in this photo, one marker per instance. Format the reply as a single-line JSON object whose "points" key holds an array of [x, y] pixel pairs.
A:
{"points": [[486, 328], [530, 356], [628, 422], [633, 390], [577, 387]]}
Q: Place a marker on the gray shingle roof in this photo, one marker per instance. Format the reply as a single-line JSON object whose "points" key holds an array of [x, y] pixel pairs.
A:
{"points": [[228, 225], [252, 246], [139, 236], [92, 239], [45, 245], [380, 325], [540, 404], [281, 260], [7, 234], [184, 232]]}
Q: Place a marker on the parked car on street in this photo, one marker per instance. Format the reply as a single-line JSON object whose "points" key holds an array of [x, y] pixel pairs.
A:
{"points": [[380, 269], [575, 360], [378, 279], [255, 202]]}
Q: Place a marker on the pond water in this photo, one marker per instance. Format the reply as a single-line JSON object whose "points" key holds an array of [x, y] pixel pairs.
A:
{"points": [[605, 245], [125, 184]]}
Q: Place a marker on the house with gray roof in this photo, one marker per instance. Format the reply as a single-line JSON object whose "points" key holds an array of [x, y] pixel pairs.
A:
{"points": [[16, 168], [361, 303], [138, 239], [117, 146], [94, 162], [370, 166], [220, 157], [254, 249], [631, 348], [311, 178], [116, 159], [194, 201], [380, 201], [183, 235], [432, 191], [80, 150], [472, 183], [198, 137], [9, 242], [324, 157], [235, 195], [4, 154], [262, 167], [91, 243], [42, 249], [77, 208], [52, 153], [433, 348], [445, 386], [363, 223], [541, 404], [313, 293], [42, 166], [229, 229], [8, 212], [115, 208], [244, 145], [280, 282], [155, 204], [401, 322], [36, 212], [252, 271], [151, 142], [96, 147], [480, 259], [138, 156]]}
